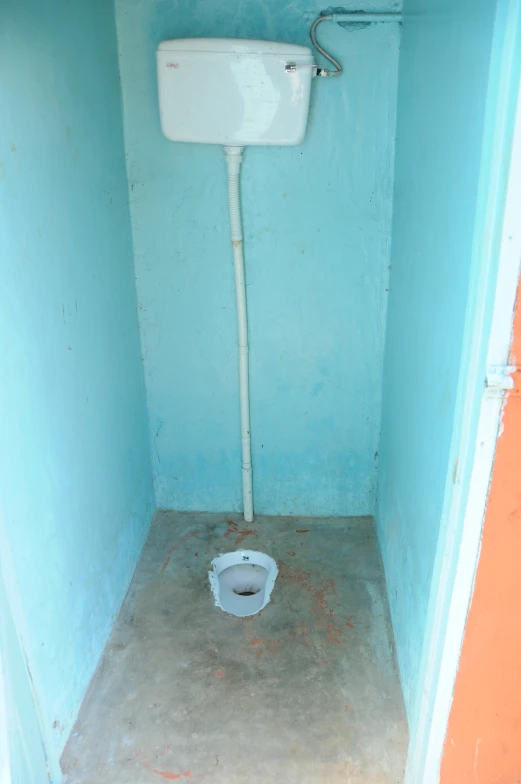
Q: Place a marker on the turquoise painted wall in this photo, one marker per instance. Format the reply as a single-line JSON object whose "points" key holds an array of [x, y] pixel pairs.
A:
{"points": [[76, 494], [443, 79], [317, 224], [22, 751]]}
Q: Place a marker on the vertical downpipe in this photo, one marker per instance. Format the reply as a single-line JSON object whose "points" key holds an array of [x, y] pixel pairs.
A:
{"points": [[234, 160]]}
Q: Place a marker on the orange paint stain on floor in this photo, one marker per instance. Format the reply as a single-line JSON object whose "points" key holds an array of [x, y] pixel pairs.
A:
{"points": [[256, 641], [172, 550], [321, 590], [233, 528], [334, 633], [242, 535], [270, 648], [166, 774]]}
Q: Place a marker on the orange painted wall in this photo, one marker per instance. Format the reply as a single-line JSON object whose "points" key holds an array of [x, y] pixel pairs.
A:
{"points": [[483, 743]]}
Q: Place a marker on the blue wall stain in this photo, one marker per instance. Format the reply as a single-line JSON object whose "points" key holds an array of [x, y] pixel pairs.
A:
{"points": [[443, 77], [76, 493], [317, 233]]}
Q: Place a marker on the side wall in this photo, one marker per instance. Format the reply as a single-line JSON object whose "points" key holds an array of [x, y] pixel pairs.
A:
{"points": [[76, 493], [443, 82], [22, 748], [317, 232]]}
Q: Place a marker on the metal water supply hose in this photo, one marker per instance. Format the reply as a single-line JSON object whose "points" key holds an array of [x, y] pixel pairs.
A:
{"points": [[343, 19], [234, 160]]}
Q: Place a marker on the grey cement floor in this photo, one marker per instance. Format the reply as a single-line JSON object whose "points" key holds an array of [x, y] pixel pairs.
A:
{"points": [[306, 692]]}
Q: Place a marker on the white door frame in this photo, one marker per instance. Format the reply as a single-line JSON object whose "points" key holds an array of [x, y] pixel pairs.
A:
{"points": [[488, 332]]}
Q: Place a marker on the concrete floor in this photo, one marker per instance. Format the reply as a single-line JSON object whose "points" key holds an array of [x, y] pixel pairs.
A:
{"points": [[306, 692]]}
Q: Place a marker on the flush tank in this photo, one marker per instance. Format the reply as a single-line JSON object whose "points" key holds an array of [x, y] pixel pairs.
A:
{"points": [[234, 92]]}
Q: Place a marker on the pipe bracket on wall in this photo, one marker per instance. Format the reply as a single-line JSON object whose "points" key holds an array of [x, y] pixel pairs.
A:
{"points": [[343, 19]]}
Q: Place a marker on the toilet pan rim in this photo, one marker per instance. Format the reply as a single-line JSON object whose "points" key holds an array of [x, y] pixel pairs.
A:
{"points": [[236, 558], [253, 557]]}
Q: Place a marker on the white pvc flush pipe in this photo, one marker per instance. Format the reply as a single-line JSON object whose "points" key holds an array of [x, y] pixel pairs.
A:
{"points": [[234, 160]]}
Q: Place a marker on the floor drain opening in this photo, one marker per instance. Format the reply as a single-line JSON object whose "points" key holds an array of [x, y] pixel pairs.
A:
{"points": [[246, 591]]}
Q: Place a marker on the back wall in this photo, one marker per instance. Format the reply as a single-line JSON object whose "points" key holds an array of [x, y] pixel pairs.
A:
{"points": [[317, 226]]}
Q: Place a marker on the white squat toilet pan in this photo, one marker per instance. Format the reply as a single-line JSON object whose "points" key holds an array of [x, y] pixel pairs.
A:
{"points": [[242, 582]]}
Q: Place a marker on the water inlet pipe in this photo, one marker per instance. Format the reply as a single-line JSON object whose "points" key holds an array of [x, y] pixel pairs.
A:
{"points": [[346, 18], [233, 161]]}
